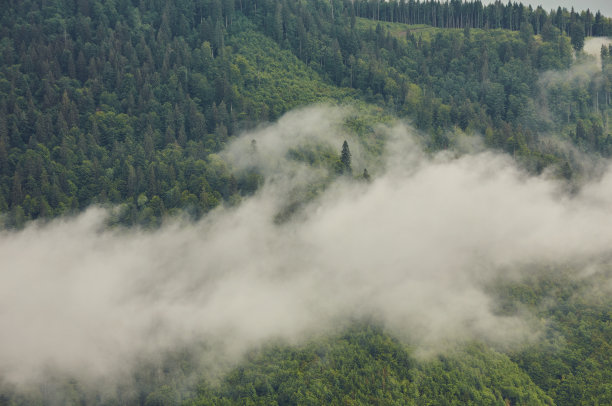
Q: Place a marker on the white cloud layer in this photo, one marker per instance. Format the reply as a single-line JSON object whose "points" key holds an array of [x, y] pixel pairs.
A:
{"points": [[413, 248]]}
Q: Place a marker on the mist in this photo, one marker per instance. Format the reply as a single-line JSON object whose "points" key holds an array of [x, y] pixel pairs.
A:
{"points": [[583, 70], [592, 46], [414, 248]]}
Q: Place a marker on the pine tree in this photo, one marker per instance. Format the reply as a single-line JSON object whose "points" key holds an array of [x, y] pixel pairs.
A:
{"points": [[345, 158]]}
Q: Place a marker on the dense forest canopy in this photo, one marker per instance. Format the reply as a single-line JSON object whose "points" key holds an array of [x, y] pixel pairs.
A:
{"points": [[125, 102], [190, 121]]}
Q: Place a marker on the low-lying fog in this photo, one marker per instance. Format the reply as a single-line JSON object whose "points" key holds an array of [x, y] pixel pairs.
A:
{"points": [[413, 248]]}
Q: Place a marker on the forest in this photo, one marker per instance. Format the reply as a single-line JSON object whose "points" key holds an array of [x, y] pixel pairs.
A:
{"points": [[106, 102], [136, 107]]}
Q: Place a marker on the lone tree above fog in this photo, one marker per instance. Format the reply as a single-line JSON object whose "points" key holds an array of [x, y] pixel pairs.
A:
{"points": [[345, 158]]}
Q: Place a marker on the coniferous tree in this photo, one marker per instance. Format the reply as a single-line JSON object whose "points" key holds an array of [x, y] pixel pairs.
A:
{"points": [[345, 158]]}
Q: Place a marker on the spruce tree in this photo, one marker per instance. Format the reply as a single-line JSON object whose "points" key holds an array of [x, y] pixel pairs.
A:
{"points": [[345, 158]]}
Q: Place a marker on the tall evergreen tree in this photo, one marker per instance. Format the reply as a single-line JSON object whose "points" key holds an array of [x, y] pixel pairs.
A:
{"points": [[345, 158]]}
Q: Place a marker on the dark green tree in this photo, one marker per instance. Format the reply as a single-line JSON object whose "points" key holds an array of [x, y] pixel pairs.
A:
{"points": [[577, 36], [345, 158]]}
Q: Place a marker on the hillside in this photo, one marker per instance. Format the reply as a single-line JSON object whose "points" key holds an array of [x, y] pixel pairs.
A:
{"points": [[103, 102], [212, 202]]}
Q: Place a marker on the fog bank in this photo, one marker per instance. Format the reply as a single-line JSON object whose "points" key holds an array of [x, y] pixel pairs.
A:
{"points": [[414, 248]]}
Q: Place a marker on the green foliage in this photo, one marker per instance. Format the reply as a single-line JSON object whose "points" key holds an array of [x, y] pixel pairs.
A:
{"points": [[571, 361], [164, 396], [274, 80], [102, 103], [365, 365], [128, 103], [130, 107]]}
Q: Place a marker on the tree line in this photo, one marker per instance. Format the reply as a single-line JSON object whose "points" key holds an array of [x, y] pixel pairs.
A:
{"points": [[475, 14]]}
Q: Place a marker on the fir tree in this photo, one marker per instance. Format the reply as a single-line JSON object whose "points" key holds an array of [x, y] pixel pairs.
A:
{"points": [[345, 158]]}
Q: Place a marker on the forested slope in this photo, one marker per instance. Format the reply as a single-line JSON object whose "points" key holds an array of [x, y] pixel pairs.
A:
{"points": [[130, 104], [367, 366], [106, 102]]}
